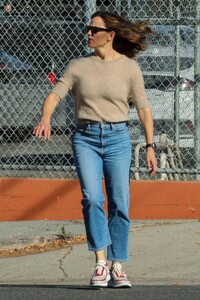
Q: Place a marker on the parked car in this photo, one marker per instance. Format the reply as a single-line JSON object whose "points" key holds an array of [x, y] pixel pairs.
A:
{"points": [[41, 44], [23, 90], [16, 71], [158, 64], [10, 66]]}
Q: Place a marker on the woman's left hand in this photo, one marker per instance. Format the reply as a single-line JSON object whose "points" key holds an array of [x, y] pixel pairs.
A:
{"points": [[151, 162]]}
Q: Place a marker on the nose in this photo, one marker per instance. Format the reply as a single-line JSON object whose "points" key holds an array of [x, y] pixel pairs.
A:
{"points": [[89, 32]]}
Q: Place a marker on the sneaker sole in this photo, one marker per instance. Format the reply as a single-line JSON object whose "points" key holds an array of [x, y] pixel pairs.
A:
{"points": [[119, 285], [100, 284]]}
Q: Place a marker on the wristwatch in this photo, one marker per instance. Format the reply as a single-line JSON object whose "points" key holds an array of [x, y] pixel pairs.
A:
{"points": [[152, 145]]}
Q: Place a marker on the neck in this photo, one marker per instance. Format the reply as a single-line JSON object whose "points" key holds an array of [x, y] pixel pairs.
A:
{"points": [[107, 55]]}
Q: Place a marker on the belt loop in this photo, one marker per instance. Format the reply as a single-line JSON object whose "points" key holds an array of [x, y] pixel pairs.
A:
{"points": [[88, 127], [112, 126]]}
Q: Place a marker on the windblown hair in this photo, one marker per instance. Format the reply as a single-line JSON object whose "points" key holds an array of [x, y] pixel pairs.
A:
{"points": [[129, 38]]}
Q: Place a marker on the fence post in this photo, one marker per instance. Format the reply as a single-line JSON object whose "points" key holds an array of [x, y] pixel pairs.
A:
{"points": [[177, 74], [141, 11], [90, 8], [197, 88]]}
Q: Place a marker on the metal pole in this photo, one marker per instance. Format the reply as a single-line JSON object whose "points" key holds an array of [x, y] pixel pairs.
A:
{"points": [[177, 76], [125, 8], [118, 6], [171, 8], [90, 8], [197, 88], [141, 11]]}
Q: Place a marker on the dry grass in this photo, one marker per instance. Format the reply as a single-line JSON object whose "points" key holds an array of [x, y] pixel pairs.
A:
{"points": [[42, 246]]}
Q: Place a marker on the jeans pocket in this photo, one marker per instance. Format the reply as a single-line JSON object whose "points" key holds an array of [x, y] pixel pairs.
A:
{"points": [[120, 128]]}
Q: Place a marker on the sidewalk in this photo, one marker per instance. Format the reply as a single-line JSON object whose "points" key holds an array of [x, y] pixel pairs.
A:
{"points": [[161, 252]]}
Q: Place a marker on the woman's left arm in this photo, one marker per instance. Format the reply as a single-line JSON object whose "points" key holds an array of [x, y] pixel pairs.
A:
{"points": [[146, 120]]}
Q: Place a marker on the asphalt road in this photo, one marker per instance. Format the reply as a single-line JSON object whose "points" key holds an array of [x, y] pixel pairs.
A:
{"points": [[77, 292]]}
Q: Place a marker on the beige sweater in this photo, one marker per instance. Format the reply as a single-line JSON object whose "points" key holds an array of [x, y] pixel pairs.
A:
{"points": [[102, 89]]}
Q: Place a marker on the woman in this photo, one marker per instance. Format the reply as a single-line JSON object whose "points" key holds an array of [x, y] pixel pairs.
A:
{"points": [[103, 83]]}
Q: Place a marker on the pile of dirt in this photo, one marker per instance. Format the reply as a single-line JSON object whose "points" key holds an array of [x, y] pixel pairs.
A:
{"points": [[42, 245]]}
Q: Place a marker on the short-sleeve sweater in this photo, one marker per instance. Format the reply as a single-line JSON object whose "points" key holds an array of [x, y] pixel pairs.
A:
{"points": [[103, 88]]}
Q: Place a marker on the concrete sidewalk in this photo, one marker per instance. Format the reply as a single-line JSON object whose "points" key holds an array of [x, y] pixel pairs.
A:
{"points": [[161, 252]]}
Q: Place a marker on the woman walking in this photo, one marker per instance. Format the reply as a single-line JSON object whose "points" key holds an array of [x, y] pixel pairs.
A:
{"points": [[103, 83]]}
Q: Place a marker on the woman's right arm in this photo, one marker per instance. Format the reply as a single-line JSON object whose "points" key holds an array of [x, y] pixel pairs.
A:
{"points": [[44, 126]]}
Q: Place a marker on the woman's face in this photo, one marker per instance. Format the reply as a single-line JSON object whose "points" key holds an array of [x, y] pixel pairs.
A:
{"points": [[97, 38]]}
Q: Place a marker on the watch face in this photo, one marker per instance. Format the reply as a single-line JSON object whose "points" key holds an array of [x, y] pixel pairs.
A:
{"points": [[152, 145]]}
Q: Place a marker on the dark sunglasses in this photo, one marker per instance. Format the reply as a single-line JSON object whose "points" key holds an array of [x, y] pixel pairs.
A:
{"points": [[94, 29]]}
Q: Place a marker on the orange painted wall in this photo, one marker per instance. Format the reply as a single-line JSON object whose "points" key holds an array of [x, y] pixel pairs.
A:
{"points": [[59, 199]]}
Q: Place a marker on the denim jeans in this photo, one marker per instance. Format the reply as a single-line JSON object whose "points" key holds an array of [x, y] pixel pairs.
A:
{"points": [[104, 149]]}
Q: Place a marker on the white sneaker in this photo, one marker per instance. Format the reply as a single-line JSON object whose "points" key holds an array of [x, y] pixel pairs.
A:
{"points": [[118, 277], [101, 275]]}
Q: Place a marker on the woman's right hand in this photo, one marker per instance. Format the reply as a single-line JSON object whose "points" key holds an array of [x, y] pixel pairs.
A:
{"points": [[43, 128]]}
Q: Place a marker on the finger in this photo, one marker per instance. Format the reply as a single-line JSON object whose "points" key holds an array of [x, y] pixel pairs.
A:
{"points": [[47, 134], [35, 131], [149, 165], [153, 170], [38, 131]]}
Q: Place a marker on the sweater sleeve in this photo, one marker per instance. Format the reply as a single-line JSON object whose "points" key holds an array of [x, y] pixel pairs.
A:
{"points": [[138, 93], [65, 82]]}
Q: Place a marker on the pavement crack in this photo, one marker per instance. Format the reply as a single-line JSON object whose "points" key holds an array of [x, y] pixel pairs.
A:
{"points": [[61, 262]]}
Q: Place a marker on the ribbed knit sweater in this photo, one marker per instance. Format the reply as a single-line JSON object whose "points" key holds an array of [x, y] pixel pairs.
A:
{"points": [[102, 88]]}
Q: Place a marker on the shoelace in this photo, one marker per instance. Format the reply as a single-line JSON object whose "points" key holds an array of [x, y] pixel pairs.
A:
{"points": [[118, 269], [99, 268]]}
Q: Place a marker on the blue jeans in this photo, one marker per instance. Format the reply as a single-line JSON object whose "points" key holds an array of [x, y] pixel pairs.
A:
{"points": [[104, 149]]}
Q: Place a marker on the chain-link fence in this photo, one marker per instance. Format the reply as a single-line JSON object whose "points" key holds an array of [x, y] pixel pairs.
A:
{"points": [[38, 38]]}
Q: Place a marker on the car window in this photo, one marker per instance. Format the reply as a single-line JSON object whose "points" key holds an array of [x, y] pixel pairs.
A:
{"points": [[161, 39], [188, 35], [165, 36], [163, 63]]}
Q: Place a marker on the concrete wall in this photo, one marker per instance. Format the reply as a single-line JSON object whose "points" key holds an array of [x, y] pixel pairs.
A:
{"points": [[59, 199]]}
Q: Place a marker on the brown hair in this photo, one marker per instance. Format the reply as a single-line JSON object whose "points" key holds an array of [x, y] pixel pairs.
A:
{"points": [[129, 38]]}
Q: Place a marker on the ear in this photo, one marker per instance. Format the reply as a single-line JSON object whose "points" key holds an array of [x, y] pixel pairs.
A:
{"points": [[111, 35]]}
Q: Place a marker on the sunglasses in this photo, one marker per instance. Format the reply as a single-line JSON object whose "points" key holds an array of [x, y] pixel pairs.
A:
{"points": [[94, 29]]}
